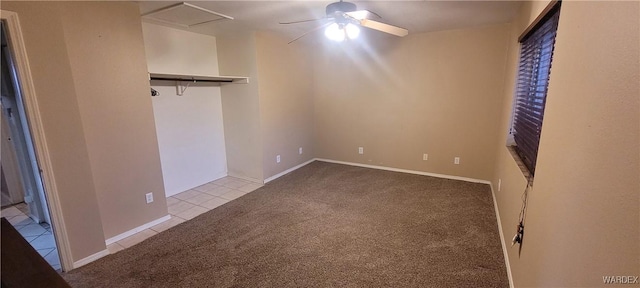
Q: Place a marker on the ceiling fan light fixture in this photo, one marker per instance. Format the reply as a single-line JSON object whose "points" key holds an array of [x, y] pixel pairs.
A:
{"points": [[338, 33], [334, 32], [352, 31], [347, 21]]}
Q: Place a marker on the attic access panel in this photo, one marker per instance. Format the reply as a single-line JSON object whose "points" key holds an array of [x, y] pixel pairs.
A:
{"points": [[185, 15]]}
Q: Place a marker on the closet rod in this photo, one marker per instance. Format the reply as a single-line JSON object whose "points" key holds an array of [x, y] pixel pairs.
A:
{"points": [[193, 80]]}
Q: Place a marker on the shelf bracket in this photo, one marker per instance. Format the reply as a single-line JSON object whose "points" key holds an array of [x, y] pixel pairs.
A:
{"points": [[180, 89]]}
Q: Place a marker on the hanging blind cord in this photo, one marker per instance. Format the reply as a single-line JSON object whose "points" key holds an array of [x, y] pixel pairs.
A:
{"points": [[523, 211]]}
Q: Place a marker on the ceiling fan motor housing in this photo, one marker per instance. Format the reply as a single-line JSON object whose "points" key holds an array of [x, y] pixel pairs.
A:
{"points": [[336, 10], [340, 7]]}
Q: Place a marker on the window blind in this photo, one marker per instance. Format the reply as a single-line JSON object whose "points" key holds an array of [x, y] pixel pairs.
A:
{"points": [[536, 53]]}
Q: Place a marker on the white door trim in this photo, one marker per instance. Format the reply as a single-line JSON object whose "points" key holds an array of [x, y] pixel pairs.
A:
{"points": [[35, 122]]}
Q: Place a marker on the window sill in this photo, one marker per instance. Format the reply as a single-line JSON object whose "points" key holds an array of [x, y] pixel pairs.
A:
{"points": [[516, 157]]}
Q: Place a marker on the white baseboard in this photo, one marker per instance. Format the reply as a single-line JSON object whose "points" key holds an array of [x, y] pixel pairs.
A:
{"points": [[274, 177], [502, 239], [136, 230], [89, 259], [408, 171]]}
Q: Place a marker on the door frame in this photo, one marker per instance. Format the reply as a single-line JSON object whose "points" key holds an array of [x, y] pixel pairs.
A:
{"points": [[28, 91]]}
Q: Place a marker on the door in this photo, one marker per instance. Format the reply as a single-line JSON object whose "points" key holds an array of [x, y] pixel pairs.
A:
{"points": [[14, 116], [11, 180]]}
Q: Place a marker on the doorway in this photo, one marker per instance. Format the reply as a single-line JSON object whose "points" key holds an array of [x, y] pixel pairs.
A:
{"points": [[23, 197]]}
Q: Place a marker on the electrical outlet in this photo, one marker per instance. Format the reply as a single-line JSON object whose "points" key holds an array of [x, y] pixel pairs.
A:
{"points": [[300, 150], [499, 184], [425, 157], [149, 197], [278, 159], [456, 160], [360, 150]]}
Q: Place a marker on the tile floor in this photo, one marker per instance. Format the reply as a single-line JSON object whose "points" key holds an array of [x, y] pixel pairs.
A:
{"points": [[189, 204], [38, 235]]}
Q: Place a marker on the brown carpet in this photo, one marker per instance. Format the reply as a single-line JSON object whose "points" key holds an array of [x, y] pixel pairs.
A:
{"points": [[323, 225]]}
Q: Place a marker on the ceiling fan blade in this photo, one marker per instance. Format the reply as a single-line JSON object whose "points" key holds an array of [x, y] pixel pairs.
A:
{"points": [[310, 31], [303, 21], [362, 14], [375, 25]]}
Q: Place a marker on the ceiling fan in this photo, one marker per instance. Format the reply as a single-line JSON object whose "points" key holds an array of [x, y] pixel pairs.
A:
{"points": [[344, 21]]}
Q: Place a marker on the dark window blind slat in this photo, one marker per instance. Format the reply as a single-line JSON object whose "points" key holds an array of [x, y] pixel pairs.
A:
{"points": [[530, 124], [526, 152], [522, 110], [522, 130], [536, 55]]}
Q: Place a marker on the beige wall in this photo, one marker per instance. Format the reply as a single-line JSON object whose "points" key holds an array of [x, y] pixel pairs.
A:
{"points": [[437, 93], [241, 106], [583, 218], [116, 111], [273, 114], [286, 103], [88, 65], [43, 33]]}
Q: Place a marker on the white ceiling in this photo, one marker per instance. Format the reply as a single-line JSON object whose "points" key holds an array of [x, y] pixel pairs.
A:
{"points": [[417, 16]]}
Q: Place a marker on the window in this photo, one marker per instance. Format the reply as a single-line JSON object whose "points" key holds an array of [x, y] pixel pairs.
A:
{"points": [[536, 54]]}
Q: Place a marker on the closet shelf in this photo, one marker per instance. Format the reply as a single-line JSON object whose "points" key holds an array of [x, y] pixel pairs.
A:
{"points": [[200, 78]]}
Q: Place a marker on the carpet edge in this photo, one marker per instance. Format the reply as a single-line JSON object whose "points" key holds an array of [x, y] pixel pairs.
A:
{"points": [[90, 258], [444, 176], [285, 172]]}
